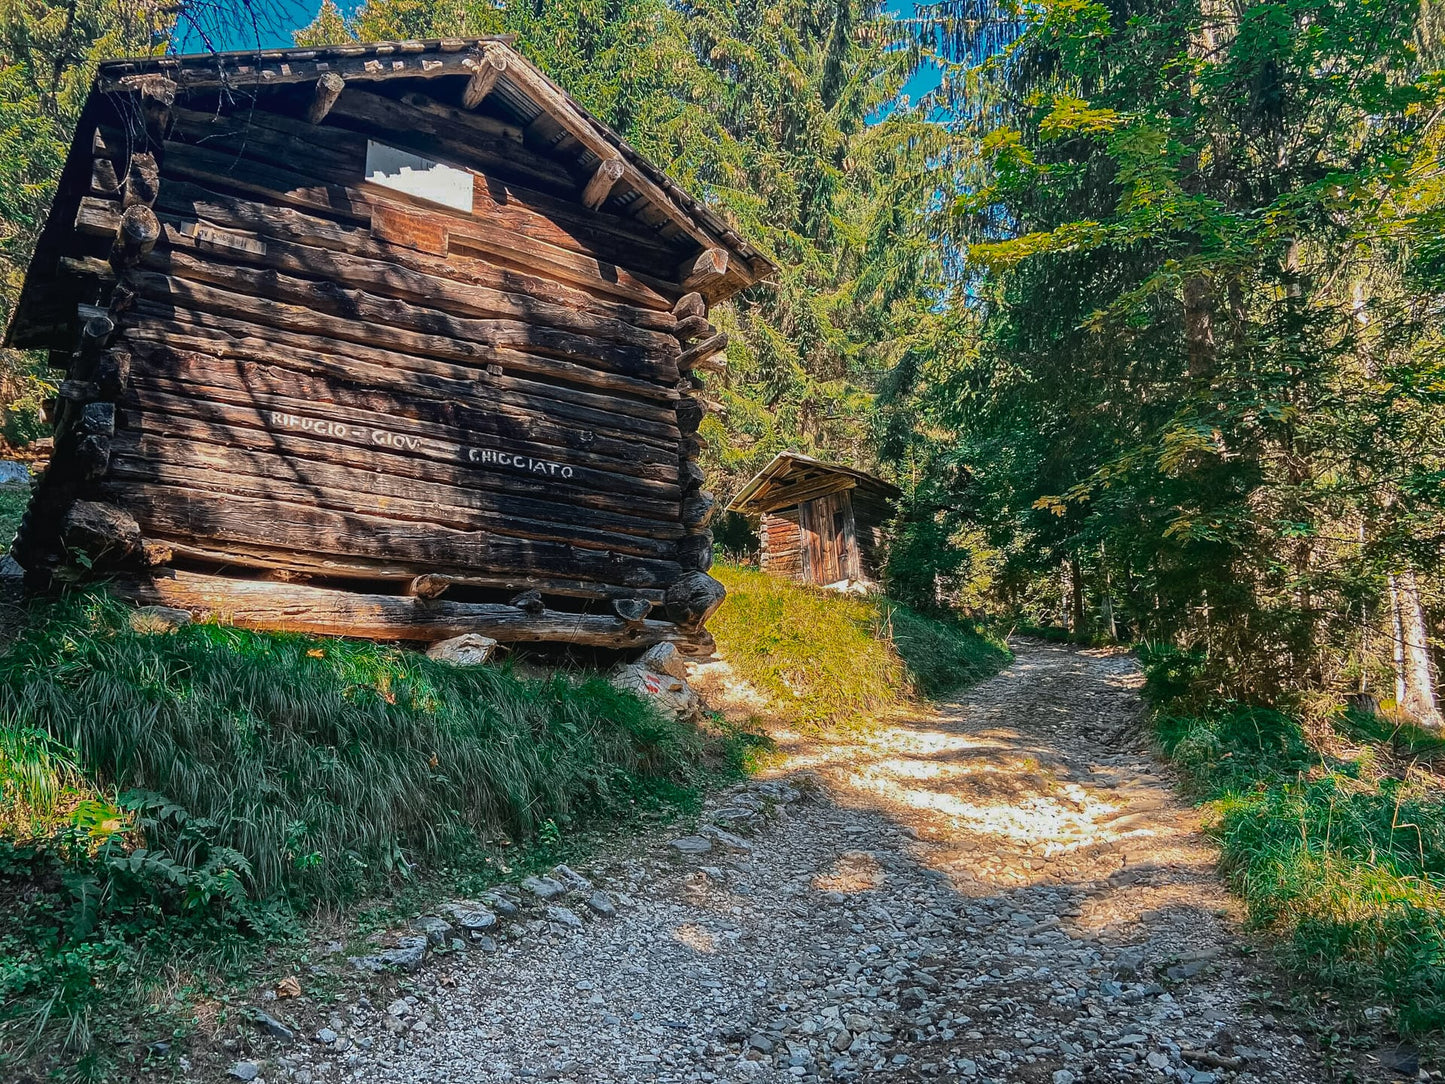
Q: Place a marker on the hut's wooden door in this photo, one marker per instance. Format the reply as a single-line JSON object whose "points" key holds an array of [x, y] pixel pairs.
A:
{"points": [[830, 547]]}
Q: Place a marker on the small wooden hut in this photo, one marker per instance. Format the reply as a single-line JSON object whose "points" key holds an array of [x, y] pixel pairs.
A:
{"points": [[391, 340], [821, 522]]}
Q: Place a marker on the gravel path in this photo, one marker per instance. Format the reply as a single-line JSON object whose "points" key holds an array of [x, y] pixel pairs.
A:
{"points": [[1003, 891]]}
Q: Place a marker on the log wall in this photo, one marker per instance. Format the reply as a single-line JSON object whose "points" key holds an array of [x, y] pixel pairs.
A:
{"points": [[292, 371]]}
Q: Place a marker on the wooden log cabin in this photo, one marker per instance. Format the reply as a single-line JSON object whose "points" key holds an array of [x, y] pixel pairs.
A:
{"points": [[390, 340], [819, 522]]}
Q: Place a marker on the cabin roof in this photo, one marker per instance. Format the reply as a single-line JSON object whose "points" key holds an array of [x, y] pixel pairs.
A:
{"points": [[788, 473], [521, 91]]}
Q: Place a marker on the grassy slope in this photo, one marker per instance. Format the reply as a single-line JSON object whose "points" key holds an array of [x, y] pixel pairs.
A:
{"points": [[829, 659], [1334, 835], [163, 796]]}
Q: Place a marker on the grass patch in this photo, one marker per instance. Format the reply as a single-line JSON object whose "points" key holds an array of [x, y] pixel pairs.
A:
{"points": [[14, 499], [828, 658], [1341, 853], [193, 793]]}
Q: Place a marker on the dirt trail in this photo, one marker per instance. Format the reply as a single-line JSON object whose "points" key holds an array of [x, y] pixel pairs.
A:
{"points": [[1005, 890]]}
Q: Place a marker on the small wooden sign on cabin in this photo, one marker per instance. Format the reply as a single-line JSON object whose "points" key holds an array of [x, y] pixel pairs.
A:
{"points": [[390, 340], [819, 522]]}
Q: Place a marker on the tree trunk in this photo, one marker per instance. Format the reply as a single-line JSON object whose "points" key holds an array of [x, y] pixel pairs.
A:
{"points": [[1414, 679], [1076, 584]]}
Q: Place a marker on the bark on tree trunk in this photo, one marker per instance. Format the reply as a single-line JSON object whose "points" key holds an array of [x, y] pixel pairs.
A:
{"points": [[1076, 583], [1414, 679]]}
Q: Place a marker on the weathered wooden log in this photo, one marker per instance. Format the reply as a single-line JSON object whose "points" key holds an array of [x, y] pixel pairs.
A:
{"points": [[177, 514], [185, 371], [693, 598], [104, 181], [429, 585], [529, 602], [631, 610], [301, 229], [456, 339], [698, 509], [343, 488], [691, 476], [157, 97], [184, 334], [193, 248], [693, 304], [545, 210], [328, 89], [694, 552], [464, 120], [690, 413], [485, 69], [385, 436], [95, 333], [699, 352], [201, 454], [704, 271], [225, 335], [106, 535], [231, 556], [693, 327], [281, 607], [136, 235], [713, 363], [599, 187], [142, 180], [690, 447], [470, 238], [112, 373]]}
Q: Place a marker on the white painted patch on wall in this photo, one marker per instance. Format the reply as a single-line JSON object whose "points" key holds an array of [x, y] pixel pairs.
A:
{"points": [[418, 176]]}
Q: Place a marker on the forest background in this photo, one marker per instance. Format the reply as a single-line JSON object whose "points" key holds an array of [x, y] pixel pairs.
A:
{"points": [[1140, 302]]}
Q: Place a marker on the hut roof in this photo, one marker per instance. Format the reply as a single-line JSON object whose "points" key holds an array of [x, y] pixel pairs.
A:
{"points": [[792, 476], [517, 89]]}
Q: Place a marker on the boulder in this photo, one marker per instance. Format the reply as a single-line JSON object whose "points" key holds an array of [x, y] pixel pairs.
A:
{"points": [[469, 649], [660, 675]]}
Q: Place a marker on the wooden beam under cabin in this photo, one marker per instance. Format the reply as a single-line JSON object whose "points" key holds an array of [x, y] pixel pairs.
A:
{"points": [[289, 607]]}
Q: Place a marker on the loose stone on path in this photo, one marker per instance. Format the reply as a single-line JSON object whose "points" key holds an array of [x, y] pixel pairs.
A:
{"points": [[1005, 890]]}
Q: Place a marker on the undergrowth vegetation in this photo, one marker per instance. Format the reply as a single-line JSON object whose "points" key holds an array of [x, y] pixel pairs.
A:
{"points": [[1332, 831], [203, 787], [827, 658]]}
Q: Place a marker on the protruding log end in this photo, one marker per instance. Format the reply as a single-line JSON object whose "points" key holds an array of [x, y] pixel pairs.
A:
{"points": [[103, 532], [529, 602], [698, 354], [693, 327], [599, 187], [485, 71], [704, 270], [633, 611], [694, 551], [690, 412], [697, 510], [429, 586], [328, 89], [687, 305], [693, 599], [142, 181], [138, 233]]}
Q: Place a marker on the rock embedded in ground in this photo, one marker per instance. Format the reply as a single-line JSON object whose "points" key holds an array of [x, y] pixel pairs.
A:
{"points": [[544, 888], [244, 1070], [468, 649], [692, 845]]}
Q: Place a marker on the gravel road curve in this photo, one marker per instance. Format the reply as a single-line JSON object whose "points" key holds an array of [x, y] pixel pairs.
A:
{"points": [[1005, 890]]}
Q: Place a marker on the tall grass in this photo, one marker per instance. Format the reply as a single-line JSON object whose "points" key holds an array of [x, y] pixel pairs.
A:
{"points": [[1334, 837], [828, 658], [323, 763]]}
